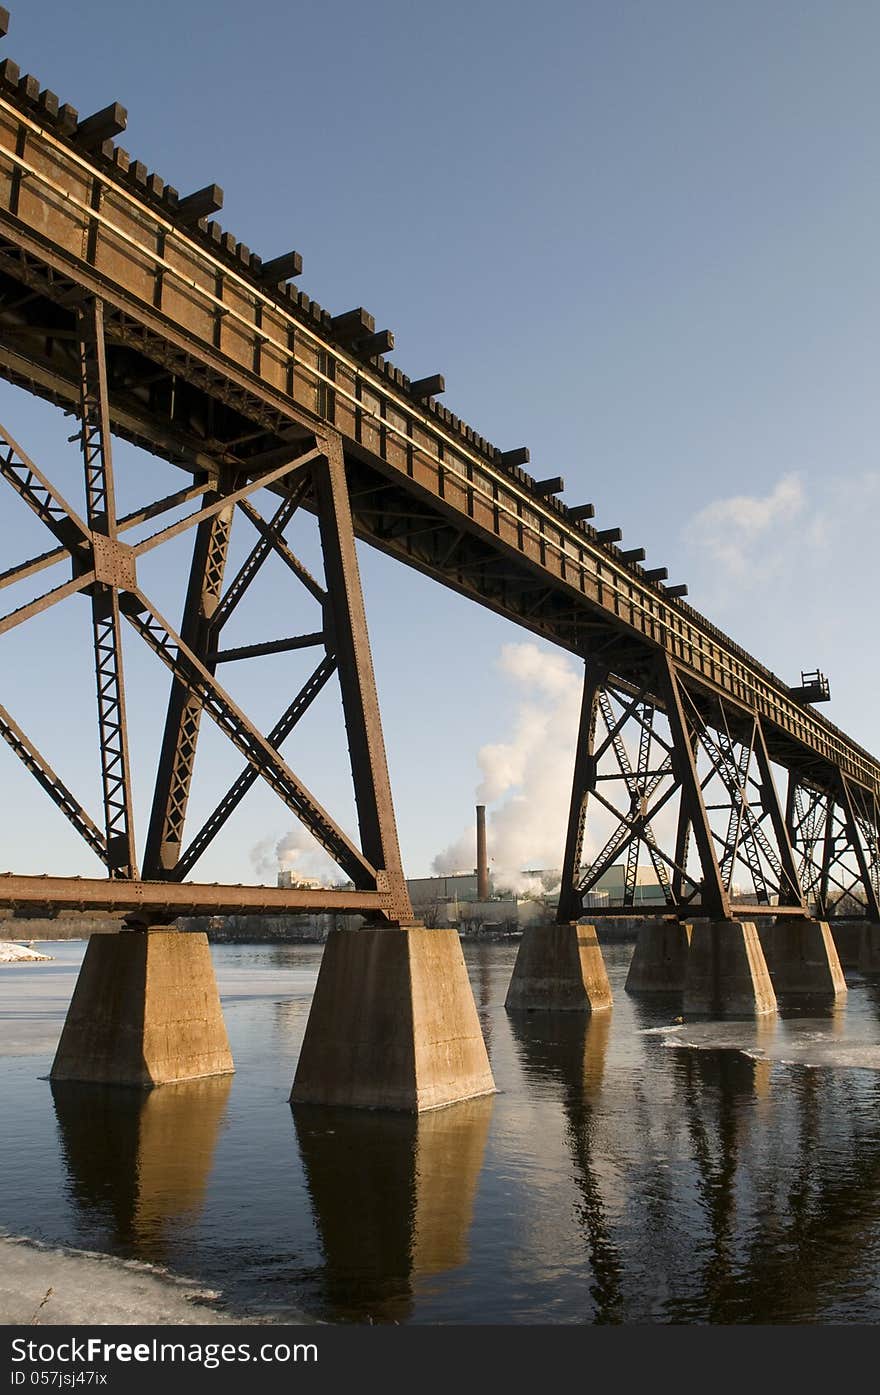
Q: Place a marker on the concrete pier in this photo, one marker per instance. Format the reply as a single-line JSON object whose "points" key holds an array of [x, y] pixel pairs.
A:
{"points": [[659, 961], [559, 968], [727, 975], [145, 1011], [869, 947], [393, 1024], [802, 958], [847, 936]]}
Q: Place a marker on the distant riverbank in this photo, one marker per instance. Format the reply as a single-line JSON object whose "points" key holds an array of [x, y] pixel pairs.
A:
{"points": [[79, 925], [72, 925]]}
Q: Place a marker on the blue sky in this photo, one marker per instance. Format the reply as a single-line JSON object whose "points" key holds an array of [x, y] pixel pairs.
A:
{"points": [[639, 238]]}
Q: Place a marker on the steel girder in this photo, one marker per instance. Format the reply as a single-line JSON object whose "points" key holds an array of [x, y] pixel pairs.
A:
{"points": [[836, 836], [105, 569], [687, 781]]}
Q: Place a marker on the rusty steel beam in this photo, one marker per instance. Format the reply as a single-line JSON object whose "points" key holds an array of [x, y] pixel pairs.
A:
{"points": [[270, 646], [835, 863], [163, 505], [431, 386], [255, 559], [249, 775], [133, 420], [37, 765], [110, 566], [31, 485], [867, 812], [23, 570], [583, 783], [185, 665], [272, 535], [168, 900], [828, 855], [639, 787], [346, 622], [731, 843], [223, 501], [200, 204], [872, 899], [794, 893], [631, 827], [45, 602], [103, 125], [745, 839], [177, 754], [639, 783], [739, 910], [836, 875], [129, 520], [283, 268], [680, 857], [714, 897]]}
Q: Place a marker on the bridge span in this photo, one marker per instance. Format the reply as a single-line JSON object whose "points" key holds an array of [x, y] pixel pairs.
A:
{"points": [[127, 305]]}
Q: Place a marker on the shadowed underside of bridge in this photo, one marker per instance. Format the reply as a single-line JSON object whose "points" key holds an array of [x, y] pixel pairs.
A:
{"points": [[125, 305]]}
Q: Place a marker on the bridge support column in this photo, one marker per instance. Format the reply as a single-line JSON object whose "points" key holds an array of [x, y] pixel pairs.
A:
{"points": [[145, 1011], [559, 968], [869, 948], [727, 974], [659, 962], [847, 936], [802, 957], [393, 1024]]}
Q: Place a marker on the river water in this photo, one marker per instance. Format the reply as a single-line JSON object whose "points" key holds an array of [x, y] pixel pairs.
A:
{"points": [[630, 1169]]}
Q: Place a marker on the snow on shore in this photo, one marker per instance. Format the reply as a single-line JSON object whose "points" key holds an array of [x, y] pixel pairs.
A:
{"points": [[42, 1285], [12, 953]]}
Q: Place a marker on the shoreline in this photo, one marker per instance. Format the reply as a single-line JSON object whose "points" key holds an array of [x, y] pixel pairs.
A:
{"points": [[51, 1285]]}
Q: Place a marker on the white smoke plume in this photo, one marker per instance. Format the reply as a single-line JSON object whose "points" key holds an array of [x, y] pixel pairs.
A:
{"points": [[297, 850], [527, 778], [263, 861]]}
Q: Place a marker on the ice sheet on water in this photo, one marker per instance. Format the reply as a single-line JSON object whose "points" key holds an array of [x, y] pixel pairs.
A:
{"points": [[12, 953], [45, 1284], [816, 1042]]}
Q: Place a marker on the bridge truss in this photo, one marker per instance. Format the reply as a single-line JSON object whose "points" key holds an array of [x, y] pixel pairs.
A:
{"points": [[127, 305]]}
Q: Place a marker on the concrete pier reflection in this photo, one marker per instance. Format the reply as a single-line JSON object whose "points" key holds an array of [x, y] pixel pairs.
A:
{"points": [[569, 1051], [140, 1160], [393, 1199]]}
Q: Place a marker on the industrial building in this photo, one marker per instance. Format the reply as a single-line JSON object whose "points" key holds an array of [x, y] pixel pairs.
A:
{"points": [[472, 902], [469, 900], [293, 880]]}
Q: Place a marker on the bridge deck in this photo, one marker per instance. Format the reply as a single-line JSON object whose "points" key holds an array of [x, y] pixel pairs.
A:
{"points": [[209, 365]]}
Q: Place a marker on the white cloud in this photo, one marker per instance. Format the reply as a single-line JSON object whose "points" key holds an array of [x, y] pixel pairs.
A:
{"points": [[745, 530], [790, 537]]}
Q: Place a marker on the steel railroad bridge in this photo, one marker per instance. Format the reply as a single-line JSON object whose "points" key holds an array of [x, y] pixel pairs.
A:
{"points": [[125, 304]]}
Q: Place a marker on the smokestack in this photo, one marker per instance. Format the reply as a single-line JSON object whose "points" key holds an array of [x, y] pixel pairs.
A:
{"points": [[482, 860]]}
